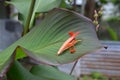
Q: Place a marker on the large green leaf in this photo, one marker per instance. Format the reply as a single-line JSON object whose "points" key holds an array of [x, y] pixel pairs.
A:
{"points": [[23, 8], [43, 41], [50, 73], [18, 72], [53, 32]]}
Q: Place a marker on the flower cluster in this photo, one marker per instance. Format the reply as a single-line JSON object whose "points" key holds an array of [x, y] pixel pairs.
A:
{"points": [[97, 14]]}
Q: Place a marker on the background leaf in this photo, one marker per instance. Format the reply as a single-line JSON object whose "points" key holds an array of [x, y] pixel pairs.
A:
{"points": [[18, 72], [44, 6], [112, 33], [23, 8], [5, 66], [50, 72], [44, 40]]}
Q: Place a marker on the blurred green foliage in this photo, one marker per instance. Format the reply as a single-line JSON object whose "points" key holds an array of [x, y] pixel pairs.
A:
{"points": [[97, 76], [104, 1]]}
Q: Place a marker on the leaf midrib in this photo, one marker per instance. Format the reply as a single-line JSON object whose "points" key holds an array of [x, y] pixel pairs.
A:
{"points": [[50, 44]]}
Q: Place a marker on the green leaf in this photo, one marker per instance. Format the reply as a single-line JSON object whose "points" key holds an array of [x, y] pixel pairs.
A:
{"points": [[23, 8], [46, 5], [43, 41], [112, 33], [18, 72], [50, 72], [63, 4], [43, 6], [5, 66], [53, 32]]}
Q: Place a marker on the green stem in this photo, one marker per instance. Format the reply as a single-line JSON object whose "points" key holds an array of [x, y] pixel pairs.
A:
{"points": [[74, 65], [26, 28]]}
